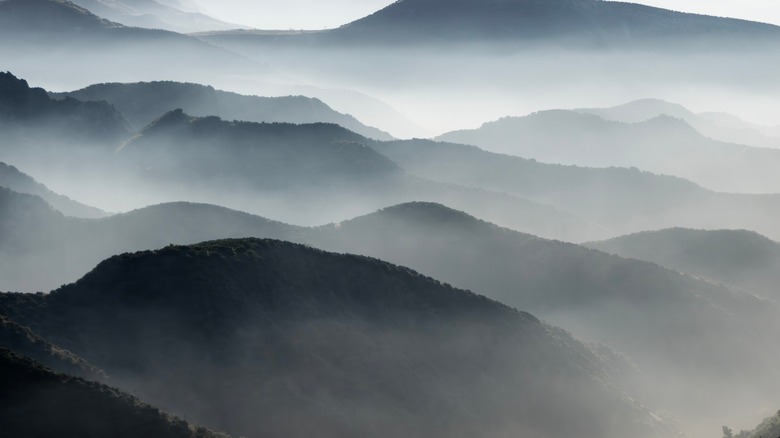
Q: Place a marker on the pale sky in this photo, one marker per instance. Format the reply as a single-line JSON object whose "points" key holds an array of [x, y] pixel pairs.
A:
{"points": [[318, 14]]}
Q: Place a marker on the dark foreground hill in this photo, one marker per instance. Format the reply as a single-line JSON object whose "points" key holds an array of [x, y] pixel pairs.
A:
{"points": [[265, 338], [143, 102], [37, 402], [737, 257]]}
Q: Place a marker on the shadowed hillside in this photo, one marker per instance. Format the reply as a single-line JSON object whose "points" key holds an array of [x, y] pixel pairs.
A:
{"points": [[296, 338], [37, 402]]}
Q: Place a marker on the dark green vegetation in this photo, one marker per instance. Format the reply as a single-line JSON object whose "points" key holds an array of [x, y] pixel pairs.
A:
{"points": [[768, 428], [266, 338], [737, 257], [662, 144], [37, 402], [143, 102]]}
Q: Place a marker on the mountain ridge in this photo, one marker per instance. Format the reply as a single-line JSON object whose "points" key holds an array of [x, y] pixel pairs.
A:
{"points": [[337, 328]]}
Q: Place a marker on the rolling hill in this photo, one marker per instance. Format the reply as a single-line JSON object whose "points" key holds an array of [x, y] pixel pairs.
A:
{"points": [[266, 338], [143, 102], [737, 257]]}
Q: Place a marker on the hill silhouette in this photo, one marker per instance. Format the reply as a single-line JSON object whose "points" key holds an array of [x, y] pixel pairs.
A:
{"points": [[580, 21], [38, 402], [737, 257], [143, 102], [293, 336], [662, 144], [13, 179]]}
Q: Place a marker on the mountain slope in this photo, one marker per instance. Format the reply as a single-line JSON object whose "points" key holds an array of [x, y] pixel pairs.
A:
{"points": [[39, 402], [575, 21], [11, 178], [235, 331], [142, 102], [737, 257], [662, 145]]}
